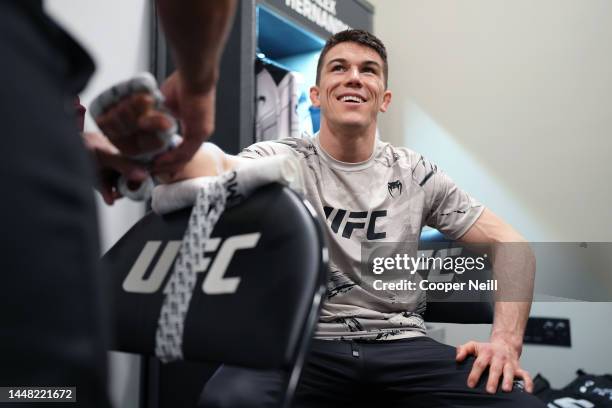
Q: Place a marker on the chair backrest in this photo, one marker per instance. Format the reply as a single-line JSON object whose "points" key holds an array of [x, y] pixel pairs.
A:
{"points": [[272, 242], [455, 309]]}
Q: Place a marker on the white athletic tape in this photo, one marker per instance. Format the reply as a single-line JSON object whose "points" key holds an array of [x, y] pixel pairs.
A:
{"points": [[145, 190], [167, 198], [210, 204], [253, 174], [143, 82], [211, 200], [142, 193], [242, 182]]}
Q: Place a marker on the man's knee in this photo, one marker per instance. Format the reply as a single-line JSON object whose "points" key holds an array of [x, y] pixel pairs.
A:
{"points": [[242, 388]]}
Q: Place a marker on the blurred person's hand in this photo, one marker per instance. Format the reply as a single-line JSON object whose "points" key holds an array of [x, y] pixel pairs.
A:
{"points": [[132, 125], [110, 165]]}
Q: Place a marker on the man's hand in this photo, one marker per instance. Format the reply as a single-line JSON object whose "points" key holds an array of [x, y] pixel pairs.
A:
{"points": [[197, 32], [196, 111], [502, 360], [111, 164], [132, 124]]}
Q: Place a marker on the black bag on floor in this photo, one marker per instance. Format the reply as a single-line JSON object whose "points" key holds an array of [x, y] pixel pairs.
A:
{"points": [[595, 388], [586, 391]]}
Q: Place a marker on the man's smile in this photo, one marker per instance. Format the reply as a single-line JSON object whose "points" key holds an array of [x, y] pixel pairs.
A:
{"points": [[351, 98]]}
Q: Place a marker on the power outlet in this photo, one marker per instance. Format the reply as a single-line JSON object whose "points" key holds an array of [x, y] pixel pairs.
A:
{"points": [[548, 331]]}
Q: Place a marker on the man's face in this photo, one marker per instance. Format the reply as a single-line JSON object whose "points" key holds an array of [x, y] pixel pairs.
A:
{"points": [[351, 88]]}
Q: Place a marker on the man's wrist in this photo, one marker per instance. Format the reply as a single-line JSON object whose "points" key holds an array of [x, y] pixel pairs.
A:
{"points": [[200, 84], [511, 339]]}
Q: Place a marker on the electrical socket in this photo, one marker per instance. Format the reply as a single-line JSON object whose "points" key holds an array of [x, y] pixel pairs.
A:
{"points": [[548, 331]]}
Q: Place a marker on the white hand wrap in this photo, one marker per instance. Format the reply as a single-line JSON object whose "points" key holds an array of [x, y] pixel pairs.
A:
{"points": [[141, 83], [239, 183]]}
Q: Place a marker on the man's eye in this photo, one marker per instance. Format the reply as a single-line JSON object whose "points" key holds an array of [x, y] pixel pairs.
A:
{"points": [[369, 70], [337, 68]]}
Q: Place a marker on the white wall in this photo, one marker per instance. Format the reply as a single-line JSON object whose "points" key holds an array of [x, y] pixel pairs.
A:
{"points": [[116, 33], [513, 99], [520, 90]]}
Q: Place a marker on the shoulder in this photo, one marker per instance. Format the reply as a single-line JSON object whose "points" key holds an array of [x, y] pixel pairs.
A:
{"points": [[419, 167], [290, 145]]}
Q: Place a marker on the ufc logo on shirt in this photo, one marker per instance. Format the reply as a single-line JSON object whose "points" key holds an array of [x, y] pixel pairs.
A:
{"points": [[355, 220], [215, 282]]}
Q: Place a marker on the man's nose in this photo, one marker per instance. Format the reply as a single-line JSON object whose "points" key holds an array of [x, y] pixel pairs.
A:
{"points": [[354, 76]]}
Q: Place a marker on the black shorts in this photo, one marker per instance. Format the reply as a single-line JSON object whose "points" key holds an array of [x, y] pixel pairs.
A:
{"points": [[416, 372]]}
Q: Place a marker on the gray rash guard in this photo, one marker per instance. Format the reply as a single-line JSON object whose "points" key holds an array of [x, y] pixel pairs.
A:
{"points": [[387, 198]]}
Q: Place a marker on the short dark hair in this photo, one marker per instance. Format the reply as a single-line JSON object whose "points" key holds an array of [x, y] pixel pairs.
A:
{"points": [[361, 37]]}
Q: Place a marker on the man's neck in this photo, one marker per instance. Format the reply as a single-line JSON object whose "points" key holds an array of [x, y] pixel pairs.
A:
{"points": [[349, 145]]}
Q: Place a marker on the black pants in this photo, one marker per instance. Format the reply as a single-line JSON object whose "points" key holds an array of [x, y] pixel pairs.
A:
{"points": [[51, 327], [410, 373]]}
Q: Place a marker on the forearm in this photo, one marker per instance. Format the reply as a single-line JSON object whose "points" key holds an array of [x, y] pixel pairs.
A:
{"points": [[197, 31], [514, 270], [209, 160]]}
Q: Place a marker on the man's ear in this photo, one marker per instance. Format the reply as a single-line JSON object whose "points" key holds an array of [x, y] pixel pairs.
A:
{"points": [[314, 96], [386, 101]]}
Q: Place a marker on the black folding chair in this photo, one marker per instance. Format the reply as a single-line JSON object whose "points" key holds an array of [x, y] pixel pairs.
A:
{"points": [[269, 319]]}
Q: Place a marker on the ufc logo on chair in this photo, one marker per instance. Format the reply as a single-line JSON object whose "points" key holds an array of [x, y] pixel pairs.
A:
{"points": [[215, 283]]}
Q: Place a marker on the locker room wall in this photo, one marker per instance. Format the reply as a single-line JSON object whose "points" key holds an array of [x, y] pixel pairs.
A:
{"points": [[514, 101]]}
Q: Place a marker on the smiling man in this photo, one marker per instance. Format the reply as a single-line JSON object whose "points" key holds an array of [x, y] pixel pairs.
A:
{"points": [[372, 345]]}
